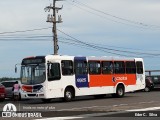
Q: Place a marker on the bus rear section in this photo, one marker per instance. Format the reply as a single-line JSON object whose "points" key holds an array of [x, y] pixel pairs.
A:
{"points": [[100, 76], [55, 76], [140, 74]]}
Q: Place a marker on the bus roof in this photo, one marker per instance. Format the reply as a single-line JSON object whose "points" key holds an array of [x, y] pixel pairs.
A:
{"points": [[67, 57]]}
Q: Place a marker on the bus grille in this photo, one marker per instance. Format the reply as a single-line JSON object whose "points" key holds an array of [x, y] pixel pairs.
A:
{"points": [[31, 95]]}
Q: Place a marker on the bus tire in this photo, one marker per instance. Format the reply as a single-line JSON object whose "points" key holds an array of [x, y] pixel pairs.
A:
{"points": [[68, 94], [120, 91]]}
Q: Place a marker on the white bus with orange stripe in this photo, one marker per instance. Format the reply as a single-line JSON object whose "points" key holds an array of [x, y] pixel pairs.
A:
{"points": [[55, 76]]}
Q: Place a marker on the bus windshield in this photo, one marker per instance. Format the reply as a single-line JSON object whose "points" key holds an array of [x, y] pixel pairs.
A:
{"points": [[33, 74]]}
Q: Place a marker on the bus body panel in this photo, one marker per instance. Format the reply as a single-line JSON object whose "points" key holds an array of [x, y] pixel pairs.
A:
{"points": [[87, 84], [140, 78]]}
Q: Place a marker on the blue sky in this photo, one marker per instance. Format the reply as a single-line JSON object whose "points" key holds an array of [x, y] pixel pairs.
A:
{"points": [[128, 25]]}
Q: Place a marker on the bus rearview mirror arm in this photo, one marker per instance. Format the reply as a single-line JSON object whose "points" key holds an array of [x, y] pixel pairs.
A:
{"points": [[16, 67]]}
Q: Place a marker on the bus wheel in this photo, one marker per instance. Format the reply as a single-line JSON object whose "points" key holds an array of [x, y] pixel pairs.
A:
{"points": [[120, 91], [46, 100], [68, 94]]}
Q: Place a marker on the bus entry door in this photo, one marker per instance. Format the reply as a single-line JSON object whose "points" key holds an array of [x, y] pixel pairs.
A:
{"points": [[81, 72]]}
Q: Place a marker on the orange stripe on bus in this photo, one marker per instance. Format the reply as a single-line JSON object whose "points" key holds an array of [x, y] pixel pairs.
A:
{"points": [[111, 80]]}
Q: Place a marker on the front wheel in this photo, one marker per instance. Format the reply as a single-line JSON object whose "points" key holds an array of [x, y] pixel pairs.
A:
{"points": [[68, 94]]}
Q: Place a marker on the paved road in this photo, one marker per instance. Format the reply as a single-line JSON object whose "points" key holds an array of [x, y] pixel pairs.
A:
{"points": [[137, 100]]}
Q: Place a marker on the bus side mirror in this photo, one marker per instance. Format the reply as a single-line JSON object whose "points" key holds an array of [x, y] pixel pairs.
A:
{"points": [[15, 69]]}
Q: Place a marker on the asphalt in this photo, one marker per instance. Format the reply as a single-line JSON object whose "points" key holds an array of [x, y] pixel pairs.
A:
{"points": [[106, 107]]}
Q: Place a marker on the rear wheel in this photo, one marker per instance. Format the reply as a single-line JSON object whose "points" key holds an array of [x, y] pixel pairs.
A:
{"points": [[120, 91], [68, 94]]}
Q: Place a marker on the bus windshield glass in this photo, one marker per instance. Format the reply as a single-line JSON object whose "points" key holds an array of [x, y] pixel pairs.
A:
{"points": [[33, 74]]}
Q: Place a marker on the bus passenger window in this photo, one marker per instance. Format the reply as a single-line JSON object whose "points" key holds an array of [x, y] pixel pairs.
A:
{"points": [[119, 67], [107, 67], [54, 71], [81, 67], [139, 67], [67, 67], [130, 67], [94, 67]]}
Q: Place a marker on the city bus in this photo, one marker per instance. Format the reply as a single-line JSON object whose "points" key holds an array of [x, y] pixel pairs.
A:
{"points": [[57, 76]]}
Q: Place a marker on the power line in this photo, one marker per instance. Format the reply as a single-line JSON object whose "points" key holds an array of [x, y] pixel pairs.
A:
{"points": [[21, 31], [22, 37], [74, 41], [104, 17], [104, 49], [114, 16], [116, 50], [13, 37], [44, 37], [91, 45]]}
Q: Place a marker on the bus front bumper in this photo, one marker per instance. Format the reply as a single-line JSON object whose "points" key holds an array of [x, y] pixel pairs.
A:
{"points": [[32, 95]]}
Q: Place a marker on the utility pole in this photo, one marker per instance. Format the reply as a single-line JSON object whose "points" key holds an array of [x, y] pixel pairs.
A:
{"points": [[52, 18]]}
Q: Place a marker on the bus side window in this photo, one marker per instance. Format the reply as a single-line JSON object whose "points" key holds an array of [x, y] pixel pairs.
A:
{"points": [[67, 67], [130, 67], [139, 67], [119, 67], [81, 67], [94, 67], [54, 71], [107, 67]]}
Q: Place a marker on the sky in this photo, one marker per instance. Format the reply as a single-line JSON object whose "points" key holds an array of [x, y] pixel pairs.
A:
{"points": [[124, 28]]}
